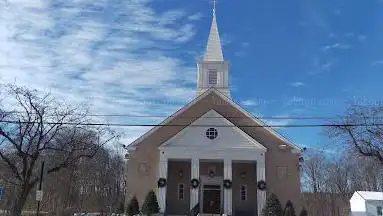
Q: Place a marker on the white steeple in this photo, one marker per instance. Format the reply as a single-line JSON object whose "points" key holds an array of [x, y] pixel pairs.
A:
{"points": [[213, 70], [214, 48]]}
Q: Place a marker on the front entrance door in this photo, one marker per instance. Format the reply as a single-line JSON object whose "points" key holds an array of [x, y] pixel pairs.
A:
{"points": [[211, 200]]}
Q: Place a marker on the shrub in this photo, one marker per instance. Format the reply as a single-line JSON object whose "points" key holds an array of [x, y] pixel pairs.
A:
{"points": [[133, 207], [272, 207], [289, 209], [120, 208], [150, 205], [303, 212]]}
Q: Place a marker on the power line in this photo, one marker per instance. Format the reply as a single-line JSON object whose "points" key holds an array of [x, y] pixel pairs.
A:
{"points": [[186, 125], [215, 117]]}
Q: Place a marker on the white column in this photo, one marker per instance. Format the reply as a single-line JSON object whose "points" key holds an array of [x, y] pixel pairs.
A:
{"points": [[227, 193], [194, 192], [163, 173], [261, 175]]}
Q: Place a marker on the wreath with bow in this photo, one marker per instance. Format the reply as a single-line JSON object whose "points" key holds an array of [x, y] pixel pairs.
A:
{"points": [[227, 183], [194, 183], [261, 185], [161, 182]]}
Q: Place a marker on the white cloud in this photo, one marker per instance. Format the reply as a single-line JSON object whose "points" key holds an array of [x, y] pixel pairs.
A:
{"points": [[336, 46], [331, 35], [196, 16], [327, 66], [310, 148], [279, 120], [362, 38], [245, 44], [377, 62], [118, 63], [239, 53], [249, 103], [255, 102], [242, 50], [226, 39], [321, 66], [297, 84]]}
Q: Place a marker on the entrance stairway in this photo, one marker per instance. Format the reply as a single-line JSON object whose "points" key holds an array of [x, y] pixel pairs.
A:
{"points": [[195, 212], [209, 214], [199, 215]]}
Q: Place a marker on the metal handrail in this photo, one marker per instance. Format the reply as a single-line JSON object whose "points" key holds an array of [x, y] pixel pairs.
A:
{"points": [[194, 211]]}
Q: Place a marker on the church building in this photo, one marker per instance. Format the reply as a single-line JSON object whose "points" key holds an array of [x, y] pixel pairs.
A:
{"points": [[212, 156]]}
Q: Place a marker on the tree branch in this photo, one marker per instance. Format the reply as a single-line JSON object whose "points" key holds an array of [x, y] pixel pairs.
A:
{"points": [[11, 166]]}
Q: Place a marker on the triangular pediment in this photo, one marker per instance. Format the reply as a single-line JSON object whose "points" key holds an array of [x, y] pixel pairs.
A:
{"points": [[224, 106], [213, 131]]}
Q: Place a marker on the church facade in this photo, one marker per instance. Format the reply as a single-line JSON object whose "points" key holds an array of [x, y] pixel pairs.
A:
{"points": [[212, 155]]}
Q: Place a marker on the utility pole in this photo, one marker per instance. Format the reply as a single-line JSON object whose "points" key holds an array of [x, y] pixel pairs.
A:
{"points": [[39, 193]]}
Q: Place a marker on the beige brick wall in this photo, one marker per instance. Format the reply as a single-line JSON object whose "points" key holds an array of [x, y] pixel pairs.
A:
{"points": [[139, 183]]}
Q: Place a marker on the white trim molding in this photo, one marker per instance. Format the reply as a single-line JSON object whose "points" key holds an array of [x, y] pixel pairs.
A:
{"points": [[163, 173], [214, 119], [228, 100], [213, 153], [194, 192], [207, 180], [228, 193], [261, 175]]}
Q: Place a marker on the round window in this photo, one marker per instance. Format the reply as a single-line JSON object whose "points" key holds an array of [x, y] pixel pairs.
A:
{"points": [[211, 133]]}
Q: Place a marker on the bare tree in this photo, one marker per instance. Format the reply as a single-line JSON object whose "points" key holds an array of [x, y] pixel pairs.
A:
{"points": [[338, 177], [362, 127], [102, 182], [90, 185], [365, 172], [326, 179], [42, 128], [314, 169], [331, 181]]}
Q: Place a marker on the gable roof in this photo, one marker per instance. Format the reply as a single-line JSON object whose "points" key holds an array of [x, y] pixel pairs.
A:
{"points": [[370, 195], [211, 92], [218, 121]]}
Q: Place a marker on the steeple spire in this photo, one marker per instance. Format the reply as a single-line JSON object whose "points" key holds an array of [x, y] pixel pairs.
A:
{"points": [[213, 70], [214, 48]]}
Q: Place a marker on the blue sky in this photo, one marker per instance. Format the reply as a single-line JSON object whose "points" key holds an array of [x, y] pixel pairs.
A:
{"points": [[138, 57]]}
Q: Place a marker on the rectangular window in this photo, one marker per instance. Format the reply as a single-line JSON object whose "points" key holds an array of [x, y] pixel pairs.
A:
{"points": [[181, 191], [282, 172], [212, 77], [379, 210], [243, 192]]}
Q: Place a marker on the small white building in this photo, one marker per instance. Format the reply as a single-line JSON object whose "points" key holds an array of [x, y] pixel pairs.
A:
{"points": [[366, 203]]}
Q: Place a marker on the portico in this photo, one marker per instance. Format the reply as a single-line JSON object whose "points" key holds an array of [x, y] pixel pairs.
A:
{"points": [[210, 160], [214, 179]]}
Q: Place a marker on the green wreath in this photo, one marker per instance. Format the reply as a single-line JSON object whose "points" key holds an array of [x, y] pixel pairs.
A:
{"points": [[194, 183], [261, 185], [161, 182], [227, 184]]}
